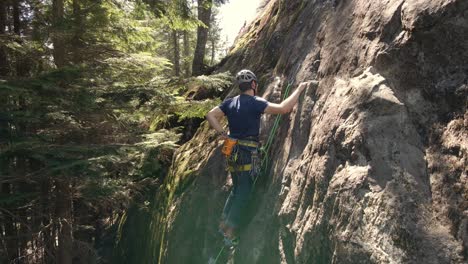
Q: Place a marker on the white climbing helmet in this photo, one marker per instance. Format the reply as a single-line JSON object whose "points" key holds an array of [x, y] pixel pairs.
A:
{"points": [[245, 76]]}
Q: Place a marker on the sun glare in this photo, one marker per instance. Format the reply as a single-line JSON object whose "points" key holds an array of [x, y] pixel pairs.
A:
{"points": [[234, 15]]}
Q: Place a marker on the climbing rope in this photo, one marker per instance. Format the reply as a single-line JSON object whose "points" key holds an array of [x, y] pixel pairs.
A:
{"points": [[266, 148], [219, 254]]}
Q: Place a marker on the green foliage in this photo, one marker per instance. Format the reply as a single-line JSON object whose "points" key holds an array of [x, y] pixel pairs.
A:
{"points": [[180, 17], [196, 109], [214, 85], [137, 67], [19, 199], [91, 120], [218, 81], [182, 108], [128, 26], [88, 129], [108, 121]]}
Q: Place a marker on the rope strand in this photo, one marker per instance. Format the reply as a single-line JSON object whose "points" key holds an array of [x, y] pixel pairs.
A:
{"points": [[266, 149]]}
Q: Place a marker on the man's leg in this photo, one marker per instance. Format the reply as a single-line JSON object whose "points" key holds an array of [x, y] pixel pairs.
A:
{"points": [[228, 205], [227, 208], [240, 200]]}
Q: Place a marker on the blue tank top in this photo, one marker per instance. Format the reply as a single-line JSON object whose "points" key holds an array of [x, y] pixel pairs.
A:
{"points": [[243, 113]]}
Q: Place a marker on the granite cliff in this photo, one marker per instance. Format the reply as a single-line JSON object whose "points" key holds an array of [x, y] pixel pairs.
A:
{"points": [[370, 167]]}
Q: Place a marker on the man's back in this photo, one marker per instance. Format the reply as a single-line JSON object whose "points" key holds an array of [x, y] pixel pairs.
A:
{"points": [[243, 113]]}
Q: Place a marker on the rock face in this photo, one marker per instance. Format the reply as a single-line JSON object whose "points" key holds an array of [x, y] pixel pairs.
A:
{"points": [[370, 167]]}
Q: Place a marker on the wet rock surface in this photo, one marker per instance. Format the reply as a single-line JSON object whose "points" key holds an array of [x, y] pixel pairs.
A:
{"points": [[370, 167]]}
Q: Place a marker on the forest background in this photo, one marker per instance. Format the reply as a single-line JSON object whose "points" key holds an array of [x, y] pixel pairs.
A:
{"points": [[95, 96]]}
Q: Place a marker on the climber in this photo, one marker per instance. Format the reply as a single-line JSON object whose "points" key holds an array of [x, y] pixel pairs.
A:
{"points": [[241, 143]]}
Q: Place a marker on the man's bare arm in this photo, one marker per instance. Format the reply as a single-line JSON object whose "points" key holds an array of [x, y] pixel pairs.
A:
{"points": [[213, 117], [288, 104]]}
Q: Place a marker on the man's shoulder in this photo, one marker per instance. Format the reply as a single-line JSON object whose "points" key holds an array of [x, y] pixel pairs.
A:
{"points": [[260, 99], [228, 100], [232, 98]]}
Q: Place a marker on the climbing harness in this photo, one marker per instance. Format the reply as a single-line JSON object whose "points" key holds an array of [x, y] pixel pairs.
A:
{"points": [[230, 143], [246, 167], [231, 152]]}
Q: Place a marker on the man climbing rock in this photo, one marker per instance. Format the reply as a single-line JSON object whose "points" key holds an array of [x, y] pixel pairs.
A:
{"points": [[241, 143]]}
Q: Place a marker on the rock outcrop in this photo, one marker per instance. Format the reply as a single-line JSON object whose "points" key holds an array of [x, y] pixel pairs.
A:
{"points": [[370, 167]]}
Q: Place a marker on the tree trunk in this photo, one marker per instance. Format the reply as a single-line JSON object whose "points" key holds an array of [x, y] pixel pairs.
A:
{"points": [[19, 171], [57, 37], [9, 15], [11, 242], [3, 16], [36, 32], [77, 43], [7, 190], [6, 221], [63, 213], [47, 239], [186, 54], [16, 17], [175, 43], [204, 15], [212, 52], [22, 66], [3, 55]]}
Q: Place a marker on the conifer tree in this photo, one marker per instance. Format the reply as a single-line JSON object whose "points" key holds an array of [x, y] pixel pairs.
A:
{"points": [[88, 106], [214, 36], [57, 37], [3, 24], [204, 15]]}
